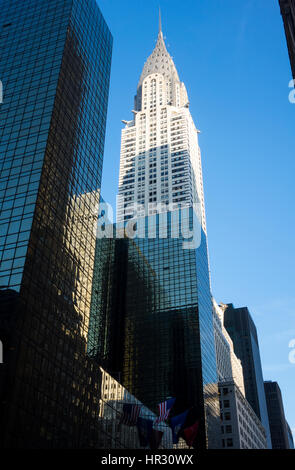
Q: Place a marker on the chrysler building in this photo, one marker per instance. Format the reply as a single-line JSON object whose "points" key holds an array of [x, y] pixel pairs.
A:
{"points": [[160, 164], [158, 331]]}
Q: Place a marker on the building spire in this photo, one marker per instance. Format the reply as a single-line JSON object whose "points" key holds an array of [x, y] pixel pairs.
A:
{"points": [[159, 61]]}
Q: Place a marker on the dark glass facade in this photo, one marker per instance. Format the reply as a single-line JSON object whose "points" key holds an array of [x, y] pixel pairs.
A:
{"points": [[243, 333], [276, 415], [288, 15], [151, 324], [290, 436], [55, 66]]}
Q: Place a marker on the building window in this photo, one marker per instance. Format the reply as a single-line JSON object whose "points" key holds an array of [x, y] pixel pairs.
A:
{"points": [[229, 442]]}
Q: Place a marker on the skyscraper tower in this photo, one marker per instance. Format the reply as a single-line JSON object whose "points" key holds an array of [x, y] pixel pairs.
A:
{"points": [[151, 318], [242, 330], [160, 155], [276, 414], [55, 66]]}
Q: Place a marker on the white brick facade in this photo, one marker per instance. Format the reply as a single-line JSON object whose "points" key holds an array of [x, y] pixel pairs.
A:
{"points": [[160, 156]]}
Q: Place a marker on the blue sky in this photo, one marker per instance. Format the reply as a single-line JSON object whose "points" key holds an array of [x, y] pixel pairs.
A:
{"points": [[232, 56]]}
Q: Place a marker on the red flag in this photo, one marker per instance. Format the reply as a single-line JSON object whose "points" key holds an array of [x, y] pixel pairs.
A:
{"points": [[155, 439], [190, 433]]}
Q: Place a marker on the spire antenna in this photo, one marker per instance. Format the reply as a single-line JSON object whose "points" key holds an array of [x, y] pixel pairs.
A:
{"points": [[160, 21]]}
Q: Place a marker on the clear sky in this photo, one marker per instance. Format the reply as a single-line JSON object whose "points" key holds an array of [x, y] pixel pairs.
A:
{"points": [[232, 56]]}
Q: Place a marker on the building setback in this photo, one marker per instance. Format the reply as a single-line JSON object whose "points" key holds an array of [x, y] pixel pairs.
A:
{"points": [[276, 415], [55, 62], [288, 14], [229, 367]]}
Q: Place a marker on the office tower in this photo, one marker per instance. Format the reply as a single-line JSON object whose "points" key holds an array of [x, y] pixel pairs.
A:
{"points": [[240, 428], [288, 14], [55, 66], [151, 323], [290, 436], [242, 330], [276, 415]]}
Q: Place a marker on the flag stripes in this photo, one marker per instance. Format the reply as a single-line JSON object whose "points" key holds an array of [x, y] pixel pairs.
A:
{"points": [[164, 410], [130, 414]]}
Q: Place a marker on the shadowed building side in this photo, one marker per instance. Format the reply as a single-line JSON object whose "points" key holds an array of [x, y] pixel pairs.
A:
{"points": [[276, 415], [51, 397]]}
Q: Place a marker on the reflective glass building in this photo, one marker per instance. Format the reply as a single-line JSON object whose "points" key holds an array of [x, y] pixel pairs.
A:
{"points": [[55, 66], [151, 323], [243, 333]]}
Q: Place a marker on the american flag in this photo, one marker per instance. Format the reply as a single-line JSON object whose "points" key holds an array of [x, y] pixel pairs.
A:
{"points": [[164, 410], [130, 414]]}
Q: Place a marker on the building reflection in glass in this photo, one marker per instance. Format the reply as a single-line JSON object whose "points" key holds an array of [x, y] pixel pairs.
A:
{"points": [[56, 65], [151, 324]]}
